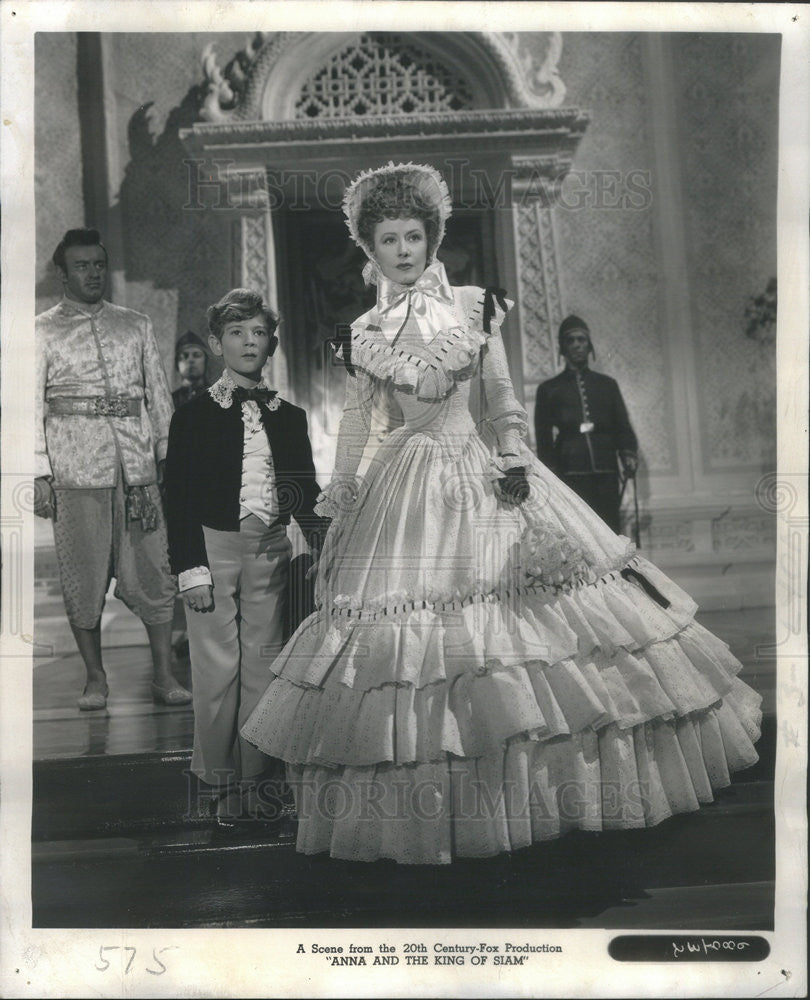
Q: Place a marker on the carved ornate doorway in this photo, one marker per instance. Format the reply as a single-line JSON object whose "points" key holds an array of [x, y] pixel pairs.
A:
{"points": [[298, 109]]}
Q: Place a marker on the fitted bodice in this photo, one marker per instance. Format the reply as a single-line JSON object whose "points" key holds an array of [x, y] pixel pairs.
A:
{"points": [[449, 415]]}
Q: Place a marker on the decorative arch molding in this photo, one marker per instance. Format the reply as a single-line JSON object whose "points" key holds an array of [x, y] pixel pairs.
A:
{"points": [[262, 83], [381, 72], [498, 132]]}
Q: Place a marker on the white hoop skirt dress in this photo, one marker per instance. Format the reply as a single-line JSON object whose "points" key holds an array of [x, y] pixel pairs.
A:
{"points": [[482, 675]]}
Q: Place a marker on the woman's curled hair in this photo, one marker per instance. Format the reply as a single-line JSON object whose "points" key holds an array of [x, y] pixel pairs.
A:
{"points": [[397, 197]]}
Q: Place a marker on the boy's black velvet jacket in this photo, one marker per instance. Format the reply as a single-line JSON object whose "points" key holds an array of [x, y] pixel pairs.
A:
{"points": [[203, 474]]}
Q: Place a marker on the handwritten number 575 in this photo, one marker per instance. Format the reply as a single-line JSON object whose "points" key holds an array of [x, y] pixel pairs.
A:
{"points": [[133, 951]]}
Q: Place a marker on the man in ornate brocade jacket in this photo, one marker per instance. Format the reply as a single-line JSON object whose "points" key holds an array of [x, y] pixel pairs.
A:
{"points": [[582, 428], [102, 421]]}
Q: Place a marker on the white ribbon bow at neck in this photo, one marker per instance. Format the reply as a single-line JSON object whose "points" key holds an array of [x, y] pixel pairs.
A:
{"points": [[429, 300]]}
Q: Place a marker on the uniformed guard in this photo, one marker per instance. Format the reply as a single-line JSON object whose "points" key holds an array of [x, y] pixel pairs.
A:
{"points": [[190, 362], [582, 429]]}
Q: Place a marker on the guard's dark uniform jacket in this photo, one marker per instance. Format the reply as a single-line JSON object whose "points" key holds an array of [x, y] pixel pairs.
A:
{"points": [[587, 412], [186, 393]]}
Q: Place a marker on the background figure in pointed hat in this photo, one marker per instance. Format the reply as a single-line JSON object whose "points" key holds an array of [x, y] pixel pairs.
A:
{"points": [[582, 429], [190, 362]]}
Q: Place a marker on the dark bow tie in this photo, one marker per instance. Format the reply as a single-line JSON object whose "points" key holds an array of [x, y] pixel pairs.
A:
{"points": [[258, 394]]}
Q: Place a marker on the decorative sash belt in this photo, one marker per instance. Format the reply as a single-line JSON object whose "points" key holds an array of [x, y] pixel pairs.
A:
{"points": [[94, 406]]}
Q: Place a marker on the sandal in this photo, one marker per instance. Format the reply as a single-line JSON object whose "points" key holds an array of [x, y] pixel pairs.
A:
{"points": [[93, 701], [175, 695]]}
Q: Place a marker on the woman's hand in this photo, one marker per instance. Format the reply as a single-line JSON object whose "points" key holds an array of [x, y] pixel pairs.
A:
{"points": [[514, 485], [199, 598]]}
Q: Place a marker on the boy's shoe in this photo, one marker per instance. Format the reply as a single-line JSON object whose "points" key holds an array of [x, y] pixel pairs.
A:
{"points": [[264, 807], [227, 808]]}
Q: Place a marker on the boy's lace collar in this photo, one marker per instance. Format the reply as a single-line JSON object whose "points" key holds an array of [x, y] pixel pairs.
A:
{"points": [[222, 392]]}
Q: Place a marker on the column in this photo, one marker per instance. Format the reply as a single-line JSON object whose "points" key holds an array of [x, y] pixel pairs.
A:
{"points": [[537, 275], [256, 252]]}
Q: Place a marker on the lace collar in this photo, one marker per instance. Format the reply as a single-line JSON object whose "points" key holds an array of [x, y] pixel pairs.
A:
{"points": [[450, 358], [222, 391]]}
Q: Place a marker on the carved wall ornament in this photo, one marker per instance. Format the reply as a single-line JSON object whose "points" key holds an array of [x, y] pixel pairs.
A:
{"points": [[382, 74], [246, 189], [254, 253], [539, 292], [345, 75], [743, 531], [534, 81], [527, 168], [672, 536], [226, 88], [559, 128]]}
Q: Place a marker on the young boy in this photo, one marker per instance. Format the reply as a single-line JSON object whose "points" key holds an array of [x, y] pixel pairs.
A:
{"points": [[239, 464]]}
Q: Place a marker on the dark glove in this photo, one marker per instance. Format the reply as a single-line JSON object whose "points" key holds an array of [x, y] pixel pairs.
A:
{"points": [[491, 296], [514, 485], [629, 465]]}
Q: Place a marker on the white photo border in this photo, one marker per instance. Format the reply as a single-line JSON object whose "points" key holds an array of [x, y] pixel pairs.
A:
{"points": [[255, 963]]}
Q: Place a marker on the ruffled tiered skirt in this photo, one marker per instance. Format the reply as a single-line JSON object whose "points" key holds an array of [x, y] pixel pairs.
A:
{"points": [[444, 703]]}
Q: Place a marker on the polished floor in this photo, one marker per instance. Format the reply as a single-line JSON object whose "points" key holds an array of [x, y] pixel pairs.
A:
{"points": [[122, 835], [132, 723]]}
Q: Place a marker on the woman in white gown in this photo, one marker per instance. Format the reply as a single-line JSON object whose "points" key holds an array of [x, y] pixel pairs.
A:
{"points": [[488, 665]]}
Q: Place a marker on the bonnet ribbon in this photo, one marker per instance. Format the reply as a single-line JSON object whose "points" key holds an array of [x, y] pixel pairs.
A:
{"points": [[429, 300]]}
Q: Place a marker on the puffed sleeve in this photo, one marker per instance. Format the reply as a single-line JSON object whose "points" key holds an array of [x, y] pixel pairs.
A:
{"points": [[355, 424], [42, 463], [506, 416], [353, 435]]}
